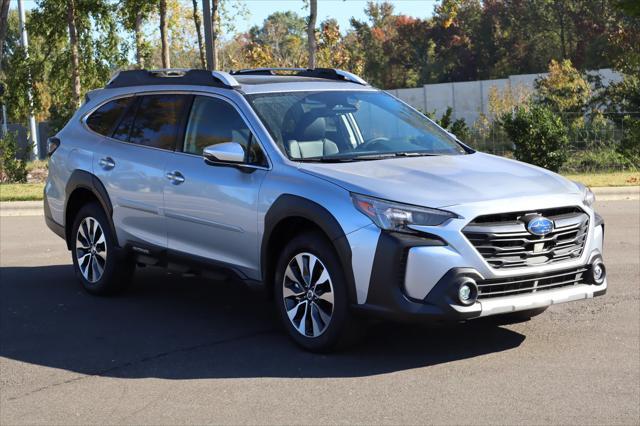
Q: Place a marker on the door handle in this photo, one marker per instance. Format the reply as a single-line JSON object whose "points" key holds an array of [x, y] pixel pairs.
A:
{"points": [[107, 163], [176, 177]]}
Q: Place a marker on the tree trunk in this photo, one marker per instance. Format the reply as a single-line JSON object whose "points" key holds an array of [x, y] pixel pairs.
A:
{"points": [[138, 34], [164, 29], [311, 32], [215, 4], [75, 60], [196, 21], [4, 23]]}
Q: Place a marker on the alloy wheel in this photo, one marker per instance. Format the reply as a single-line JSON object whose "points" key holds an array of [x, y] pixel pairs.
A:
{"points": [[91, 249], [307, 291]]}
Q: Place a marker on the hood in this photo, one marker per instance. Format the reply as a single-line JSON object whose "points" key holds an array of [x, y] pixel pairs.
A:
{"points": [[442, 181]]}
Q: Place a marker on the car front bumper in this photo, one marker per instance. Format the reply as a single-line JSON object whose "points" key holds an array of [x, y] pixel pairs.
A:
{"points": [[416, 277]]}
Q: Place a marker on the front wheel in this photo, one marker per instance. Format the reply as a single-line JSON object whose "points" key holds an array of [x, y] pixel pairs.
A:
{"points": [[311, 294]]}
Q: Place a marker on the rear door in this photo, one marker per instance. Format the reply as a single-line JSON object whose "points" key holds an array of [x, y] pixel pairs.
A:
{"points": [[131, 162], [212, 209]]}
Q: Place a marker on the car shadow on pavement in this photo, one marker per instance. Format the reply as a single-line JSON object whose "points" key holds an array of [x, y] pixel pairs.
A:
{"points": [[172, 327]]}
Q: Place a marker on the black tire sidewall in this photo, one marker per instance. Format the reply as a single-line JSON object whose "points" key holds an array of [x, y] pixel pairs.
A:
{"points": [[110, 281], [320, 247]]}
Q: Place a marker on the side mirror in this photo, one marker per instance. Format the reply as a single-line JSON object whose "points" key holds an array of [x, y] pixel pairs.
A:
{"points": [[227, 152]]}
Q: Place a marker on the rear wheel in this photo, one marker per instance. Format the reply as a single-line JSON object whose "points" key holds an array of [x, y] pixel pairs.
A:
{"points": [[311, 295], [100, 267]]}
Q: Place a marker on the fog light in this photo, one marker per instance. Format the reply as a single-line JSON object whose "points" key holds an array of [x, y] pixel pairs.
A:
{"points": [[464, 293], [598, 272], [467, 291]]}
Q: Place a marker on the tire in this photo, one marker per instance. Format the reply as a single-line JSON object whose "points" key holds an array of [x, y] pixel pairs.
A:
{"points": [[314, 310], [522, 316], [99, 265]]}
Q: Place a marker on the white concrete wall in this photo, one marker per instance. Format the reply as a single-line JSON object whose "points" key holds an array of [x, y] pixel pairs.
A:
{"points": [[469, 99]]}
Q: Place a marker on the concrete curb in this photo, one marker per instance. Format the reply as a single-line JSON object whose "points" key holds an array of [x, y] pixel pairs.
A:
{"points": [[21, 208], [34, 208], [615, 193]]}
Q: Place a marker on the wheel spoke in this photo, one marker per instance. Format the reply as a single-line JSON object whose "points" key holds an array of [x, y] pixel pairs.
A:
{"points": [[324, 276], [302, 327], [316, 320], [288, 291], [323, 315], [327, 296], [96, 268], [293, 311], [303, 265]]}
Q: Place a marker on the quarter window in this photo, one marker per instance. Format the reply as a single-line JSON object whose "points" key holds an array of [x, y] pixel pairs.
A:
{"points": [[213, 121], [104, 119], [157, 121]]}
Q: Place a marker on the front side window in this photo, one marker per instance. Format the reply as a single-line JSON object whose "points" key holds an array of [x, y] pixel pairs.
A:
{"points": [[349, 126], [213, 121], [157, 121], [105, 118]]}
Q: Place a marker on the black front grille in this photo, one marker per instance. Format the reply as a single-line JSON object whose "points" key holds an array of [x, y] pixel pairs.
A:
{"points": [[530, 284], [504, 241]]}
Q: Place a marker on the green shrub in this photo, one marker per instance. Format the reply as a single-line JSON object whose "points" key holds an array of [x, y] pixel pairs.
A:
{"points": [[597, 160], [539, 136], [12, 169], [458, 127], [630, 143]]}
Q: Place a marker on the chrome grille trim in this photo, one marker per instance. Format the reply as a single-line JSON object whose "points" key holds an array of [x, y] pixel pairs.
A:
{"points": [[504, 242], [532, 284]]}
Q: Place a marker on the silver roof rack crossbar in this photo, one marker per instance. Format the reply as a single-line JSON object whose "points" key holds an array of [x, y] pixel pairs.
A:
{"points": [[225, 78], [328, 73]]}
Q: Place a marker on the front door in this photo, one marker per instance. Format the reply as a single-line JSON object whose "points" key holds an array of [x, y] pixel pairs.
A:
{"points": [[211, 210]]}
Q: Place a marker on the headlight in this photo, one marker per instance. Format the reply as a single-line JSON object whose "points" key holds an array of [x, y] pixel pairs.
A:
{"points": [[588, 197], [397, 217]]}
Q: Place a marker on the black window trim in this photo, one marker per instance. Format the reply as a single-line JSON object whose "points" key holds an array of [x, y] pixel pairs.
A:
{"points": [[187, 111]]}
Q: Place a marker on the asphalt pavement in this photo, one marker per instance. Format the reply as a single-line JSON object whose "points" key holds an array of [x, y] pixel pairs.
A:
{"points": [[184, 350]]}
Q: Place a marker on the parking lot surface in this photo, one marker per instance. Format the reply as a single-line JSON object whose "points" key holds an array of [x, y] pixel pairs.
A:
{"points": [[176, 349]]}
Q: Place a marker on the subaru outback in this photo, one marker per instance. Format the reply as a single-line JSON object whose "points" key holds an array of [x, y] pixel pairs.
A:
{"points": [[338, 198]]}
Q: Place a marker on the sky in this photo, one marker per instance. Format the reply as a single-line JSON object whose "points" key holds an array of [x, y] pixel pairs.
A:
{"points": [[341, 10]]}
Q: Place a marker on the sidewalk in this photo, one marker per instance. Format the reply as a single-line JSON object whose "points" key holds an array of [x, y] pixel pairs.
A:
{"points": [[34, 208]]}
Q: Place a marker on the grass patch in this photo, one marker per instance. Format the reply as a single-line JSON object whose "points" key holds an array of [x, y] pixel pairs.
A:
{"points": [[21, 191], [606, 179]]}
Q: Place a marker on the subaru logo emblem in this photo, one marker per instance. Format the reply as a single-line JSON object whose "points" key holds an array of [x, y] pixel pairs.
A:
{"points": [[540, 226]]}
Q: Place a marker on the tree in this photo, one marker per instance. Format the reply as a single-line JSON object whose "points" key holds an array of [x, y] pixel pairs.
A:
{"points": [[564, 89], [135, 13], [75, 60], [164, 35], [215, 21], [4, 24], [198, 23], [311, 32]]}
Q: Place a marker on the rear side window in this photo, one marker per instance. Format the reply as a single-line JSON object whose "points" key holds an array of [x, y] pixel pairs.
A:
{"points": [[105, 118], [157, 122]]}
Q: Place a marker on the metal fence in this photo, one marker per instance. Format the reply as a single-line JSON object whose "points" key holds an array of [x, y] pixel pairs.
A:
{"points": [[591, 139]]}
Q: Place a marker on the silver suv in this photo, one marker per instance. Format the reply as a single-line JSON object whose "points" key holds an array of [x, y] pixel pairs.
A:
{"points": [[337, 197]]}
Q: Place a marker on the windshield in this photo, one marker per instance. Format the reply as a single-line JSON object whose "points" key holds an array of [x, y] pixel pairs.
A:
{"points": [[349, 126]]}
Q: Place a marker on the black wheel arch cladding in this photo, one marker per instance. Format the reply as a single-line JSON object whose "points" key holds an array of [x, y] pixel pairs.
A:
{"points": [[81, 179], [288, 206]]}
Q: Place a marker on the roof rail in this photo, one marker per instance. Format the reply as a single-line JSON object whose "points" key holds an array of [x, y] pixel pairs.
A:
{"points": [[328, 73], [226, 78], [181, 76]]}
